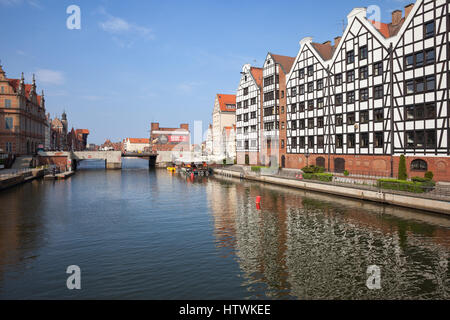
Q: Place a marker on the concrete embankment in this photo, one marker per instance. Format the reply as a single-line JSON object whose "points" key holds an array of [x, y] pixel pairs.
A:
{"points": [[19, 178], [432, 205]]}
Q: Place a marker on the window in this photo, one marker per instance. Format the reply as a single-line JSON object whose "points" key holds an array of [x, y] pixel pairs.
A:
{"points": [[419, 59], [364, 94], [238, 117], [420, 85], [239, 105], [320, 103], [429, 56], [311, 87], [364, 140], [301, 89], [253, 115], [378, 69], [270, 95], [293, 107], [350, 76], [320, 122], [409, 61], [338, 79], [351, 140], [378, 114], [253, 128], [430, 83], [429, 29], [282, 110], [282, 125], [301, 124], [268, 126], [319, 84], [311, 142], [246, 117], [319, 141], [301, 106], [245, 104], [253, 143], [351, 97], [294, 142], [282, 93], [8, 123], [409, 86], [378, 92], [351, 118], [7, 103], [246, 145], [379, 139], [294, 125], [268, 111], [311, 123], [301, 142], [363, 73], [245, 129], [268, 81], [310, 70], [245, 91], [339, 119], [339, 141], [293, 91], [363, 53], [364, 116], [350, 57], [9, 147], [430, 111], [419, 165], [301, 73], [310, 105], [338, 99], [282, 143], [253, 101], [421, 139]]}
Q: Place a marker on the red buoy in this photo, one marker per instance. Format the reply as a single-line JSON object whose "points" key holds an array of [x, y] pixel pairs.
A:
{"points": [[258, 199]]}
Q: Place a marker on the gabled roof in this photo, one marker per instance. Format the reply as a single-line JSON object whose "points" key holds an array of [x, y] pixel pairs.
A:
{"points": [[286, 62], [56, 123], [325, 50], [257, 74], [82, 131], [15, 83], [139, 140], [227, 99], [388, 29]]}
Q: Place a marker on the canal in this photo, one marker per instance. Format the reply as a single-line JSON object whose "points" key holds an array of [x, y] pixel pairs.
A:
{"points": [[140, 234]]}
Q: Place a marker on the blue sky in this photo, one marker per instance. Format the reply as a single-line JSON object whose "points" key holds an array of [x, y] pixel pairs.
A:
{"points": [[134, 62]]}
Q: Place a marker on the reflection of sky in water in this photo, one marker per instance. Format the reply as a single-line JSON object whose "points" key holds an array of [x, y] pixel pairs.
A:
{"points": [[154, 235]]}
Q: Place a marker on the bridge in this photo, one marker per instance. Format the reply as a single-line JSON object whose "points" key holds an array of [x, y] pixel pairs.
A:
{"points": [[70, 159]]}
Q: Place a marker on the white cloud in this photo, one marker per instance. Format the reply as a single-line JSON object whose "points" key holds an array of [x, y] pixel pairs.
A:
{"points": [[46, 76], [124, 33]]}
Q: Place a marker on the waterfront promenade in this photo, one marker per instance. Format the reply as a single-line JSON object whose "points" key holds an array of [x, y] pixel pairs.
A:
{"points": [[437, 201]]}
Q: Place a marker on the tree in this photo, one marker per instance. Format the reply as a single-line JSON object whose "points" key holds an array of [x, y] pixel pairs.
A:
{"points": [[402, 168]]}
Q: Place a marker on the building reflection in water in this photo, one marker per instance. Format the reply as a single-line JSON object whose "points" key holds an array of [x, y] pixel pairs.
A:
{"points": [[306, 245]]}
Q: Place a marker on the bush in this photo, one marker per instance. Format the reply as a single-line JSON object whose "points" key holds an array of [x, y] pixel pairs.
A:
{"points": [[429, 175], [325, 177], [346, 173], [313, 169], [256, 169], [402, 168], [419, 179], [403, 185]]}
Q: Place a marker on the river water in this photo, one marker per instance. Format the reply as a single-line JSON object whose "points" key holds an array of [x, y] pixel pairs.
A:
{"points": [[150, 234]]}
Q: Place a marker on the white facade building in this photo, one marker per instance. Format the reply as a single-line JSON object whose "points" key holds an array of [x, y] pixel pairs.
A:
{"points": [[134, 145], [224, 115]]}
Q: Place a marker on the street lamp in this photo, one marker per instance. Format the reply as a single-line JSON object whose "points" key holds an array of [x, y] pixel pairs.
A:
{"points": [[307, 157]]}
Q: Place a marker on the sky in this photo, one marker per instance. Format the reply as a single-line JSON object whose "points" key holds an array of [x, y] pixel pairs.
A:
{"points": [[135, 62]]}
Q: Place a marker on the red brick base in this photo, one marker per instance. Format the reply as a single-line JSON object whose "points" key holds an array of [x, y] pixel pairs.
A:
{"points": [[373, 165]]}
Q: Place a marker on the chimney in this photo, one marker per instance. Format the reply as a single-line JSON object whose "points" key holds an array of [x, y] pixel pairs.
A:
{"points": [[327, 43], [396, 17], [336, 41], [408, 9]]}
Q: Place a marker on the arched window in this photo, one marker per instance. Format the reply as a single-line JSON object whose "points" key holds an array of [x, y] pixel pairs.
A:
{"points": [[419, 165], [339, 165], [320, 162]]}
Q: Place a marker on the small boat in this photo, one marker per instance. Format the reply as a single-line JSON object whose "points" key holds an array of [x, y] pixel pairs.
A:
{"points": [[172, 169]]}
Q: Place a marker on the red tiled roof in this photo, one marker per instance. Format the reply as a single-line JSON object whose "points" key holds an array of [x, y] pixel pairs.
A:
{"points": [[388, 29], [15, 83], [227, 99], [257, 74], [285, 62], [82, 131], [325, 50], [139, 140]]}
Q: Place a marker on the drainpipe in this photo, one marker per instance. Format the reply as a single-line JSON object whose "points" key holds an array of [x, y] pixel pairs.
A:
{"points": [[391, 61]]}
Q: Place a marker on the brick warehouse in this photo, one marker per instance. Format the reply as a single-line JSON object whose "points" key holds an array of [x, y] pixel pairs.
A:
{"points": [[380, 91]]}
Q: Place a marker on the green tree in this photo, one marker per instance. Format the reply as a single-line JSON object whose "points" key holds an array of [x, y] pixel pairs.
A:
{"points": [[402, 168]]}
